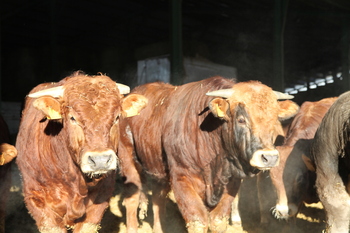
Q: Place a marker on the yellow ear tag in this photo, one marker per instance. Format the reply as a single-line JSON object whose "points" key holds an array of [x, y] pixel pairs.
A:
{"points": [[132, 112], [53, 114], [219, 111]]}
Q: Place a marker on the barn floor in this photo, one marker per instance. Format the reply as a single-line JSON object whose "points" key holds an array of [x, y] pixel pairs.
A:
{"points": [[310, 220]]}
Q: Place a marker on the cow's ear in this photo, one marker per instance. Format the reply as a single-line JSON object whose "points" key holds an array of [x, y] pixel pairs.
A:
{"points": [[288, 109], [133, 104], [49, 106], [219, 107], [7, 153], [309, 164]]}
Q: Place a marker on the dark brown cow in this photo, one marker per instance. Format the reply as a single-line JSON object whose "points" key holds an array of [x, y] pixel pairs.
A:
{"points": [[67, 143], [293, 182], [202, 145], [331, 154], [7, 154]]}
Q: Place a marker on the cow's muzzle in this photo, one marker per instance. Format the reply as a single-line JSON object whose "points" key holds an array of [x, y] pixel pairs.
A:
{"points": [[98, 162], [265, 159]]}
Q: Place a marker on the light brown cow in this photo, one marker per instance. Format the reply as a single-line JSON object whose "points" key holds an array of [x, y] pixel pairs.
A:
{"points": [[293, 182], [67, 150]]}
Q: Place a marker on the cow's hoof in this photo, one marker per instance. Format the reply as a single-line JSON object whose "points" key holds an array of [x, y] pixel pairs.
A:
{"points": [[196, 227], [218, 225], [143, 210], [89, 228]]}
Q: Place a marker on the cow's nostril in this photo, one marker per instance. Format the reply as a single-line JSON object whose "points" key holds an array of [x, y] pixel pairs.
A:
{"points": [[264, 159], [91, 161], [109, 159]]}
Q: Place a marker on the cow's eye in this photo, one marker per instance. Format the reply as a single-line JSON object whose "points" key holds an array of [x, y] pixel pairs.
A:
{"points": [[73, 119], [241, 120], [116, 120]]}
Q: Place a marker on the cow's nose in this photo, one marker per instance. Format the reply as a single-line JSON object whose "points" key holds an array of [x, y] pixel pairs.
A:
{"points": [[99, 162], [265, 159]]}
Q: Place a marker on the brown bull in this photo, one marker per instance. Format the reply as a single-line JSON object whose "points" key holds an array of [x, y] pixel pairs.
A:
{"points": [[202, 146], [67, 144], [7, 154]]}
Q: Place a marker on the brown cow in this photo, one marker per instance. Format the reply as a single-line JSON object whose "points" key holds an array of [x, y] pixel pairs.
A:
{"points": [[7, 154], [67, 143], [331, 153], [202, 145], [293, 182]]}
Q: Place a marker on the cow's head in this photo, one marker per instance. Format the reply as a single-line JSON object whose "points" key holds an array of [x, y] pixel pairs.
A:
{"points": [[252, 113], [89, 109]]}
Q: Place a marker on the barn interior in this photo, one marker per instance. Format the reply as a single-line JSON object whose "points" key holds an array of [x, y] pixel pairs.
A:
{"points": [[300, 47], [284, 44]]}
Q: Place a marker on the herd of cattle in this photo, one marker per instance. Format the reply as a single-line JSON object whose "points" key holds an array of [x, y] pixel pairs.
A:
{"points": [[198, 140]]}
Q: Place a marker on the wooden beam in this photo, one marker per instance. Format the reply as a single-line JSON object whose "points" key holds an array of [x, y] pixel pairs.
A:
{"points": [[345, 54], [176, 56], [280, 7]]}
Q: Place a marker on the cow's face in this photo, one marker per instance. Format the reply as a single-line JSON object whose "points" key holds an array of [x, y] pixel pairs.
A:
{"points": [[90, 109], [252, 112]]}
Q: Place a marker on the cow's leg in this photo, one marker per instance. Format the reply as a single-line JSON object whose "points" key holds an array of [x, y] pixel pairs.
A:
{"points": [[46, 219], [332, 193], [143, 205], [266, 197], [280, 210], [132, 184], [235, 216], [131, 203], [159, 194], [93, 216], [220, 215], [190, 204], [96, 204]]}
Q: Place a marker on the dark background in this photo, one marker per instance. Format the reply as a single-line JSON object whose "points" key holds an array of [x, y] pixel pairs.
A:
{"points": [[279, 42]]}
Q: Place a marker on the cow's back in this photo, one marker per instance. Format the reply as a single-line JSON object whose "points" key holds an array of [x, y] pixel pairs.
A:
{"points": [[308, 119], [147, 128], [190, 128], [176, 117]]}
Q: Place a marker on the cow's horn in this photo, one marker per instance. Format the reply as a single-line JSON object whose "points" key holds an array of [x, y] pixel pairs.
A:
{"points": [[54, 92], [123, 89], [224, 93], [283, 96]]}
